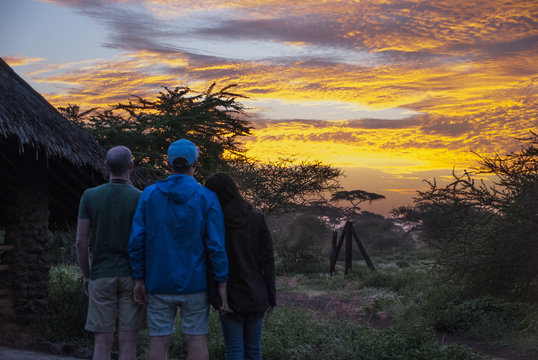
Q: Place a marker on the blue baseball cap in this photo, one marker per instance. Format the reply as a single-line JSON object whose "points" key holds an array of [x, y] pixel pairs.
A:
{"points": [[183, 149]]}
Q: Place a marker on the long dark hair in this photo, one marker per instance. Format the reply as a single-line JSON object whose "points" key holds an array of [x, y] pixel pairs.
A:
{"points": [[224, 186]]}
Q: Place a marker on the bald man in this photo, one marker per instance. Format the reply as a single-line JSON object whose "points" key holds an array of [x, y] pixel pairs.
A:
{"points": [[103, 229]]}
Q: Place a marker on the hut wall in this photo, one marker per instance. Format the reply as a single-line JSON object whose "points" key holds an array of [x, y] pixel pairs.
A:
{"points": [[27, 230]]}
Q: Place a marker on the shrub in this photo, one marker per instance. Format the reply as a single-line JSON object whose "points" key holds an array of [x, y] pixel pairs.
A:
{"points": [[485, 232], [483, 318], [394, 278], [67, 305], [292, 333]]}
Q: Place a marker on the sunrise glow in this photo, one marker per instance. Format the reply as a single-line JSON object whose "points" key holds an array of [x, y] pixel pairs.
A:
{"points": [[399, 89]]}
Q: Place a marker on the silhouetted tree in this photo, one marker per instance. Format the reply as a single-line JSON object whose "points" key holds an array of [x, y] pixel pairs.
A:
{"points": [[485, 234], [355, 197], [211, 119], [284, 185]]}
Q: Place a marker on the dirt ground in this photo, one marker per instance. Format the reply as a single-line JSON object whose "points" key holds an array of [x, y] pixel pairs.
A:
{"points": [[17, 354]]}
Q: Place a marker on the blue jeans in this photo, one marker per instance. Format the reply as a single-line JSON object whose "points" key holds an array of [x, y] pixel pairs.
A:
{"points": [[242, 338]]}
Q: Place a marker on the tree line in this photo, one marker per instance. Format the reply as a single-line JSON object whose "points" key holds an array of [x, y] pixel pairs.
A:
{"points": [[215, 120]]}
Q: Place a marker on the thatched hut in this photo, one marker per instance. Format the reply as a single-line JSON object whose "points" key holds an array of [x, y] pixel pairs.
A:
{"points": [[45, 164]]}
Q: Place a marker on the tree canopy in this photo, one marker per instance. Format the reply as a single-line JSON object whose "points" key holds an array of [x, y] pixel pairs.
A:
{"points": [[285, 185], [213, 120], [354, 198]]}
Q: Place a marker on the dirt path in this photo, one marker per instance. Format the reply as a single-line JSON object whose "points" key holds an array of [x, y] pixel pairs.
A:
{"points": [[346, 309], [16, 354]]}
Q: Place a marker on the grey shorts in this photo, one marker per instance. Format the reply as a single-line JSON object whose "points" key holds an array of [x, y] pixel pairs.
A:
{"points": [[193, 311], [111, 298]]}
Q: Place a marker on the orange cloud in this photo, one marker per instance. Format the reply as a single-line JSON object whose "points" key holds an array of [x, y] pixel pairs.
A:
{"points": [[465, 70], [21, 60]]}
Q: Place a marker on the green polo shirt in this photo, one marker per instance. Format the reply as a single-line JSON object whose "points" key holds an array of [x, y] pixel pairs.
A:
{"points": [[110, 209]]}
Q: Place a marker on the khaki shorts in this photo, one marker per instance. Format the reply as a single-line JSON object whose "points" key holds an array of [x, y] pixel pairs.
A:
{"points": [[111, 298]]}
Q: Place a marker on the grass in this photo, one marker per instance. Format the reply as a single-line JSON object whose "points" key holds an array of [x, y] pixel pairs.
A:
{"points": [[293, 333], [400, 288]]}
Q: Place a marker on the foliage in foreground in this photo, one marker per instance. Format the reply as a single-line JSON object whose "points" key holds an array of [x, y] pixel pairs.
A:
{"points": [[289, 333], [485, 318], [292, 333], [400, 287], [67, 305]]}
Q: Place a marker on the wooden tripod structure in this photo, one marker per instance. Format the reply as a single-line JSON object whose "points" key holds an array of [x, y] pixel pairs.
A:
{"points": [[348, 234]]}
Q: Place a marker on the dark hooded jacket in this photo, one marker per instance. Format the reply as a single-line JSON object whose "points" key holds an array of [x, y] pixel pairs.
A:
{"points": [[251, 273]]}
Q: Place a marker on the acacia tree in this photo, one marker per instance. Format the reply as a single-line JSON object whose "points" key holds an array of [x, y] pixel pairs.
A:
{"points": [[355, 198], [211, 119], [284, 185], [485, 234]]}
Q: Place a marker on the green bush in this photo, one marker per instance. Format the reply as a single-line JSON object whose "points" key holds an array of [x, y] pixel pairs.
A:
{"points": [[483, 318], [292, 333], [394, 278], [67, 305]]}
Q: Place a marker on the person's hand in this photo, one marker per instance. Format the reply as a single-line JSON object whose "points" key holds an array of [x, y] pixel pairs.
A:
{"points": [[225, 308], [270, 310], [139, 293], [85, 283]]}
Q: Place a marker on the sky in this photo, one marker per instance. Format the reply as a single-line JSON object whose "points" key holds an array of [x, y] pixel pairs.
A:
{"points": [[393, 92]]}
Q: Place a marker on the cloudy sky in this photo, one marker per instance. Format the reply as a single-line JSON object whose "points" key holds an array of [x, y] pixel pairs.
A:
{"points": [[391, 91]]}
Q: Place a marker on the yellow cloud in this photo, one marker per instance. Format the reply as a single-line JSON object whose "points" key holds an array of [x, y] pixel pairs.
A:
{"points": [[21, 60]]}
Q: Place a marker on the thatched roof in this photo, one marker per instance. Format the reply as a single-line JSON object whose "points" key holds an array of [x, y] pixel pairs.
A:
{"points": [[25, 114]]}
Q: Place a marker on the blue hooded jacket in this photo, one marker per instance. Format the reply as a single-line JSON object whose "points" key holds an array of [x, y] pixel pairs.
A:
{"points": [[166, 246]]}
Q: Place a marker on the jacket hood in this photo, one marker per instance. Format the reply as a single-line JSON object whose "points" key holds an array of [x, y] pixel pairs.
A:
{"points": [[236, 212], [179, 188]]}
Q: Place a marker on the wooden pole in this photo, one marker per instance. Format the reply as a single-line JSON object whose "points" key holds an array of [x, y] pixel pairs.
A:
{"points": [[362, 250], [338, 247], [334, 254], [349, 246]]}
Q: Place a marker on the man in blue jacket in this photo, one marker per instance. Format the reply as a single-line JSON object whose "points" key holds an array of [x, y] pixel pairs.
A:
{"points": [[176, 222]]}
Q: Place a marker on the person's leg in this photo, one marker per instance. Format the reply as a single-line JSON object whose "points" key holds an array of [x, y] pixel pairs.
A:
{"points": [[127, 344], [158, 347], [102, 312], [252, 337], [132, 318], [194, 313], [196, 347], [232, 331], [161, 315], [103, 345]]}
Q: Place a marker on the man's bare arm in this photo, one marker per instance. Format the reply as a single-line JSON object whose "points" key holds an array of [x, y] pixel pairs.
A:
{"points": [[82, 246]]}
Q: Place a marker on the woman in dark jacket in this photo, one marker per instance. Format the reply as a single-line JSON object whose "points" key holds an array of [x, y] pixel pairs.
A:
{"points": [[251, 275]]}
